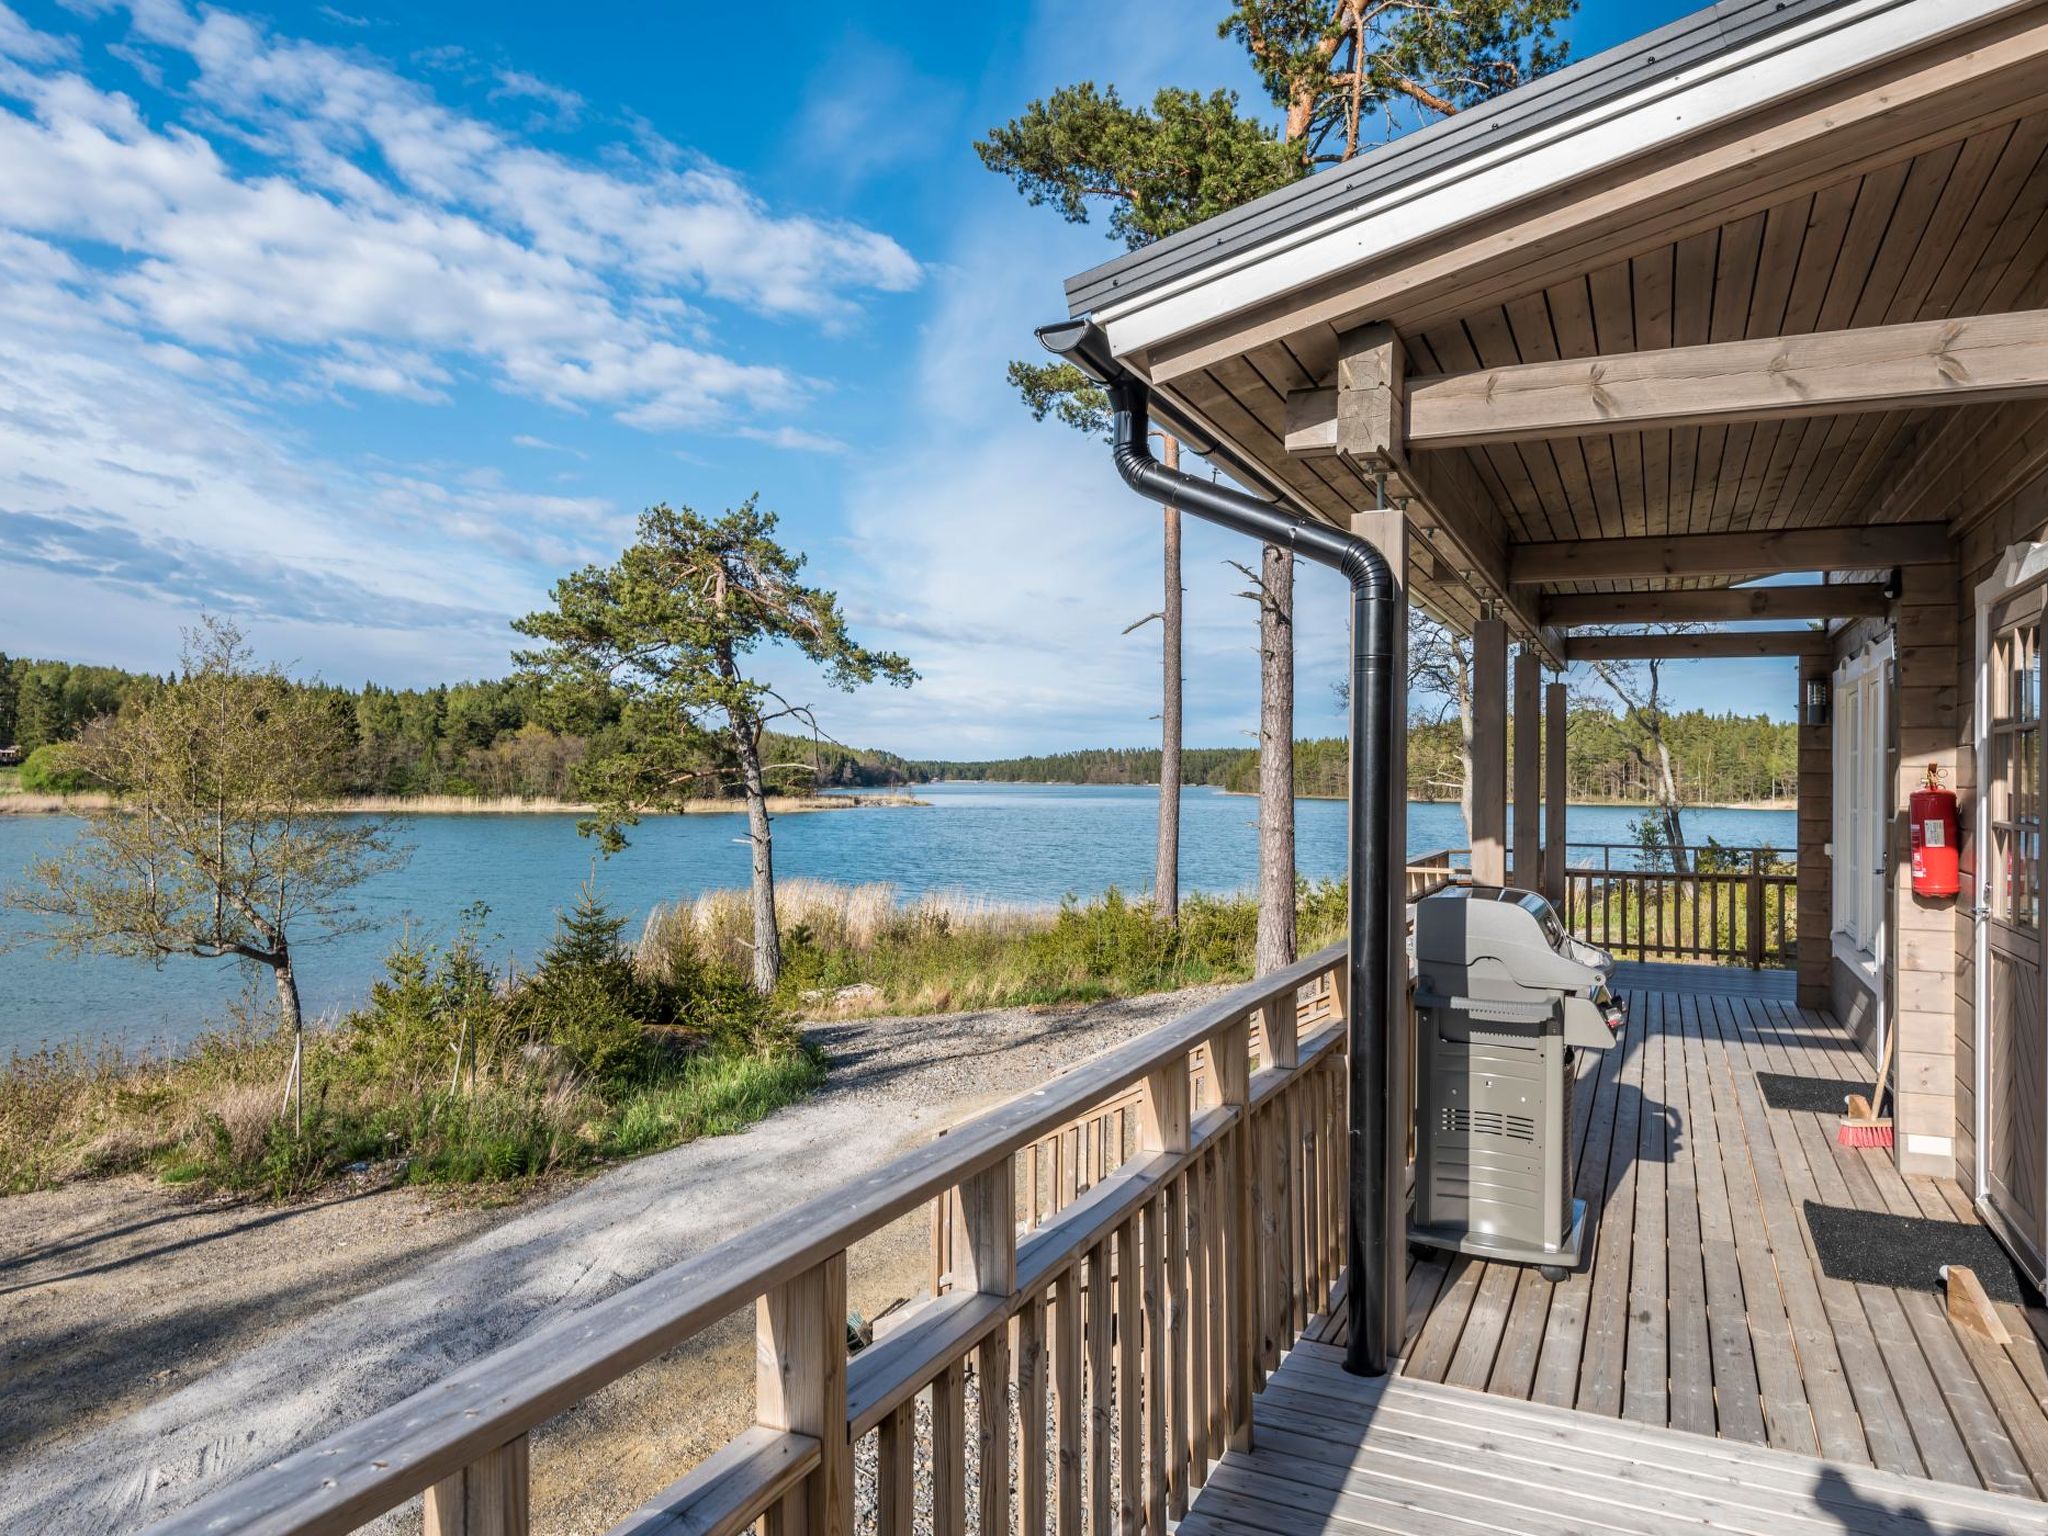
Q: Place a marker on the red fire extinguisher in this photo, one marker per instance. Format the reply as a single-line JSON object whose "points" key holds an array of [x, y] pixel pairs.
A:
{"points": [[1933, 821]]}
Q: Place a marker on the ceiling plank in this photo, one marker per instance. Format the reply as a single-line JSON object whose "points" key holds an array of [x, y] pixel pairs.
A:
{"points": [[1756, 553], [1842, 600], [1697, 647], [1962, 360]]}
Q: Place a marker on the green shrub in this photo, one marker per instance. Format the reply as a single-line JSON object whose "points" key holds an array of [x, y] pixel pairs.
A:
{"points": [[52, 770]]}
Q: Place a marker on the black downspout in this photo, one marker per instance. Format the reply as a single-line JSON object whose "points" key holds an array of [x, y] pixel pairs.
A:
{"points": [[1373, 604]]}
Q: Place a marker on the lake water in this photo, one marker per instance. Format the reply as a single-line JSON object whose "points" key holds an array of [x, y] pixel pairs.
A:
{"points": [[1011, 842]]}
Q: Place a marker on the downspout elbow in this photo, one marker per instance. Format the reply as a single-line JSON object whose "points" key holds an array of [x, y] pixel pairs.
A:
{"points": [[1358, 561]]}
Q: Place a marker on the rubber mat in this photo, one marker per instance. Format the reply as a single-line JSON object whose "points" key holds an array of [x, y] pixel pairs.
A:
{"points": [[1823, 1095], [1876, 1248]]}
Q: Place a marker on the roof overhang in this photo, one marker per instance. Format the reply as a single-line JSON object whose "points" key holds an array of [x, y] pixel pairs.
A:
{"points": [[1708, 70]]}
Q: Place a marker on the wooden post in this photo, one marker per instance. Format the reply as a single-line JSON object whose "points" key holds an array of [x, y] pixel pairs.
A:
{"points": [[1230, 1058], [1528, 768], [1280, 1033], [1556, 852], [985, 1260], [800, 1384], [985, 1232], [1489, 767], [486, 1498]]}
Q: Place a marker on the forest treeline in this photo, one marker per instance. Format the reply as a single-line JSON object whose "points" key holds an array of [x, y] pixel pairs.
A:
{"points": [[482, 739], [1720, 760], [494, 738]]}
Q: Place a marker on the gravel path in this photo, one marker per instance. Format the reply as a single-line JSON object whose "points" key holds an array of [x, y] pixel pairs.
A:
{"points": [[894, 1083]]}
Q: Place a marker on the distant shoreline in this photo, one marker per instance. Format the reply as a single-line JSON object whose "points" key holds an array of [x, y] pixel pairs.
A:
{"points": [[502, 805]]}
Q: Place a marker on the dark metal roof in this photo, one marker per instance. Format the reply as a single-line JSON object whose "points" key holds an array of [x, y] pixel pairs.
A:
{"points": [[1680, 45]]}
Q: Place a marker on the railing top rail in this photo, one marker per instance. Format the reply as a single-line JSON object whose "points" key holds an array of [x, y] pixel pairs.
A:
{"points": [[370, 1466]]}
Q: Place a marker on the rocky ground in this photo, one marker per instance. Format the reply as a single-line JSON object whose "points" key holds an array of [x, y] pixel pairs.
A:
{"points": [[152, 1349]]}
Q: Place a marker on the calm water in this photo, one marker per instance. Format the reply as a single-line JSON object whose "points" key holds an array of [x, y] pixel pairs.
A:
{"points": [[1023, 843]]}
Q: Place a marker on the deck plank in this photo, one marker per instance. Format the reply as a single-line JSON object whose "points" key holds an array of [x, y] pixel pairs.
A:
{"points": [[1564, 1330], [1401, 1457], [1738, 1398], [1788, 1421], [1645, 1392]]}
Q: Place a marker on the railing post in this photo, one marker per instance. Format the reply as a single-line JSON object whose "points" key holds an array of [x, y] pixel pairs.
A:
{"points": [[486, 1498], [800, 1385], [1279, 1028], [1230, 1058], [1755, 924], [985, 1260]]}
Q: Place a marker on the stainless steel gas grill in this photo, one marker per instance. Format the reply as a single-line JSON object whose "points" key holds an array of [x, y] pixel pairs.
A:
{"points": [[1504, 999]]}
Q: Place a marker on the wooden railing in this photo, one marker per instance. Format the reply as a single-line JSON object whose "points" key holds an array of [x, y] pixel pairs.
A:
{"points": [[1746, 914], [1122, 1253], [1433, 871]]}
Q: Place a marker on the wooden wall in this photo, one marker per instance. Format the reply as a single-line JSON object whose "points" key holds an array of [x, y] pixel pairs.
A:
{"points": [[1930, 993]]}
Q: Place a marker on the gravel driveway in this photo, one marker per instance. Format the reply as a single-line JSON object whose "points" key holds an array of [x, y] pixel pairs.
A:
{"points": [[413, 1305]]}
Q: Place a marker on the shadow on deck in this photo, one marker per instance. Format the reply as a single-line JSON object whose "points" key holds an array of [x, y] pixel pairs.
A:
{"points": [[1703, 1308]]}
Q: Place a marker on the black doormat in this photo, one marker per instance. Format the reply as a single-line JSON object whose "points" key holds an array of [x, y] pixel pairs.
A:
{"points": [[1876, 1248], [1823, 1095]]}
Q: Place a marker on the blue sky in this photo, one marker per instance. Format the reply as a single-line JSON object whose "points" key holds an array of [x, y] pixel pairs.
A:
{"points": [[364, 322]]}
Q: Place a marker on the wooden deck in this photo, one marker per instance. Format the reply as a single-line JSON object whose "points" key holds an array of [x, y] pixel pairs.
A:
{"points": [[1415, 1458], [1703, 1308]]}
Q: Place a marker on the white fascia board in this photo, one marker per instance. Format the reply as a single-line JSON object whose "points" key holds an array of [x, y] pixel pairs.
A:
{"points": [[1830, 45]]}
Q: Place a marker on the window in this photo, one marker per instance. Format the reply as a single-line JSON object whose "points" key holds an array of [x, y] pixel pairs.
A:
{"points": [[1862, 794]]}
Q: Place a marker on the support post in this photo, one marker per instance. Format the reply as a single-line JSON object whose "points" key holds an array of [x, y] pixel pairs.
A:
{"points": [[1489, 767], [800, 1384], [1528, 768], [1556, 853]]}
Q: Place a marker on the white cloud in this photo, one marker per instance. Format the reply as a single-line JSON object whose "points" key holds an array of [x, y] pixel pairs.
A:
{"points": [[794, 439], [559, 107], [132, 482], [543, 445], [381, 235]]}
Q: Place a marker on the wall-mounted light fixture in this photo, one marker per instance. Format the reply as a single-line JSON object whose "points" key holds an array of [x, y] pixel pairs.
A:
{"points": [[1815, 694]]}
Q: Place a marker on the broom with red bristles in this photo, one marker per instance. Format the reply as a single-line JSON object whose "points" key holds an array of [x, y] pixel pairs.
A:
{"points": [[1861, 1126]]}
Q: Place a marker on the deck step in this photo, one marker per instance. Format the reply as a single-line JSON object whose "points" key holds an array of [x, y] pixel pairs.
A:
{"points": [[1397, 1456]]}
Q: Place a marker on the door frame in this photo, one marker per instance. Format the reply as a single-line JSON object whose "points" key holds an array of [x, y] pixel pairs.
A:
{"points": [[1876, 654], [2022, 565]]}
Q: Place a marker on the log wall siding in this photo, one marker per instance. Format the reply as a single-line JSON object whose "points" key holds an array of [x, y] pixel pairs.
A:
{"points": [[1927, 723]]}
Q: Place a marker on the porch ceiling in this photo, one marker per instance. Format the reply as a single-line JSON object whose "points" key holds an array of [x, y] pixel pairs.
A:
{"points": [[1935, 211]]}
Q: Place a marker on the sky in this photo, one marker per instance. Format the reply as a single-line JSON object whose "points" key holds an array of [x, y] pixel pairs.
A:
{"points": [[363, 323]]}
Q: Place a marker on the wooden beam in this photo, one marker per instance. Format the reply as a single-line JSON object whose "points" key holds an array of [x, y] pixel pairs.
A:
{"points": [[1840, 600], [1681, 647], [1372, 396], [1761, 553], [1961, 361], [1489, 765], [1442, 495]]}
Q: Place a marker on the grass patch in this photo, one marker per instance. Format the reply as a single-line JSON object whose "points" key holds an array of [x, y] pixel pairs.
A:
{"points": [[451, 1075], [934, 954]]}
